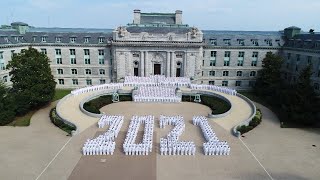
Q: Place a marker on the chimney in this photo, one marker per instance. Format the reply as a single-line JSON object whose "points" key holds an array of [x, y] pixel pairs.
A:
{"points": [[136, 16], [178, 17]]}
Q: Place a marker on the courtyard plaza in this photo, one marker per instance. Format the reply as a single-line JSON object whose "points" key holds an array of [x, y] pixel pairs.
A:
{"points": [[43, 151]]}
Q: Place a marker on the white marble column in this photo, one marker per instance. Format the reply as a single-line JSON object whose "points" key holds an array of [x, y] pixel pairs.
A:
{"points": [[185, 73], [146, 64], [142, 64], [168, 64], [172, 65]]}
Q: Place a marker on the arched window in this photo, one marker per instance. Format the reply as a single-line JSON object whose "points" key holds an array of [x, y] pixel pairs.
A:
{"points": [[88, 71], [252, 73], [102, 71]]}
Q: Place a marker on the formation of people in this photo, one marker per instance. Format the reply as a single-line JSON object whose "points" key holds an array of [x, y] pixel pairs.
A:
{"points": [[171, 145], [156, 94], [143, 148], [104, 144], [213, 146], [214, 88], [97, 88], [156, 80]]}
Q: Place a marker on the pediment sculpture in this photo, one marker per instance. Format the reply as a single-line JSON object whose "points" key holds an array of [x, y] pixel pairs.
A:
{"points": [[122, 31], [194, 32]]}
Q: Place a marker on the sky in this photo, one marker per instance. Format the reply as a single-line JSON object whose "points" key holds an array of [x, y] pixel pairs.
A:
{"points": [[250, 15]]}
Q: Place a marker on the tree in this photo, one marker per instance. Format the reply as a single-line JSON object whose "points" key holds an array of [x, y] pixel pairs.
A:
{"points": [[7, 105], [269, 77], [33, 83], [302, 103]]}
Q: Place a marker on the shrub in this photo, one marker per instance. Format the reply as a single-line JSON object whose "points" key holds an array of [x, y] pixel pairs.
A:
{"points": [[255, 121], [57, 121]]}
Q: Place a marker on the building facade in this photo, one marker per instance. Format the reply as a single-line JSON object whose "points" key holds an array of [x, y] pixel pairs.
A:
{"points": [[159, 43]]}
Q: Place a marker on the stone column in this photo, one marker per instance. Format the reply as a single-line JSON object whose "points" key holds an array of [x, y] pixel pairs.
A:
{"points": [[185, 73], [172, 65], [142, 64], [168, 64], [146, 64]]}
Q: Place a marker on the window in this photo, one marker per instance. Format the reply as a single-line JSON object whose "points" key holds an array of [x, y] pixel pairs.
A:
{"points": [[224, 83], [34, 38], [179, 56], [238, 83], [298, 57], [86, 52], [72, 52], [211, 82], [255, 42], [88, 71], [212, 73], [289, 55], [309, 59], [74, 71], [241, 54], [227, 54], [86, 40], [101, 39], [101, 52], [239, 73], [255, 54], [254, 58], [227, 42], [241, 42], [58, 51], [102, 71], [2, 66], [225, 73], [44, 51], [201, 73], [102, 81], [89, 82], [75, 81], [61, 81], [73, 39], [268, 42], [1, 55], [213, 53], [316, 86], [43, 38], [59, 60], [252, 83], [5, 78], [240, 58], [212, 62], [213, 42], [101, 61], [297, 68], [252, 73], [73, 61], [60, 71], [86, 61], [226, 63], [254, 63], [58, 39]]}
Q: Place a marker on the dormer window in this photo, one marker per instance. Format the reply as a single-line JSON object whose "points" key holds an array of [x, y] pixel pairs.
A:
{"points": [[268, 42], [101, 39], [16, 38], [34, 38], [73, 39], [213, 42], [58, 39], [255, 42], [227, 42], [278, 42], [86, 40], [44, 39], [241, 42], [6, 39]]}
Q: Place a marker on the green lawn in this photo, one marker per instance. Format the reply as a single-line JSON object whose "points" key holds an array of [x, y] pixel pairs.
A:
{"points": [[60, 93], [25, 120]]}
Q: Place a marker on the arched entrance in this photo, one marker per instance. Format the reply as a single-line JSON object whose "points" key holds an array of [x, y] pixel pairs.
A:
{"points": [[157, 69], [136, 68], [178, 70]]}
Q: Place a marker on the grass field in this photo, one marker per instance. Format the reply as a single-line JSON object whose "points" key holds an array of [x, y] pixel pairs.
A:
{"points": [[60, 93]]}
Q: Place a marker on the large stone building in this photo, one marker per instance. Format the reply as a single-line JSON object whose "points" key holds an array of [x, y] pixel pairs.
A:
{"points": [[159, 43]]}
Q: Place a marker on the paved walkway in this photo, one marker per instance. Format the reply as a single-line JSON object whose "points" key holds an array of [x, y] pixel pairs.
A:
{"points": [[69, 109], [25, 151]]}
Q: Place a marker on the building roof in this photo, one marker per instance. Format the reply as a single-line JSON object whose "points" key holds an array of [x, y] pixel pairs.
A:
{"points": [[157, 18], [159, 30]]}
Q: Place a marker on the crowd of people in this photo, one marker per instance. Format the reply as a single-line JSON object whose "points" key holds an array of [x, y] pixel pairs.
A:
{"points": [[104, 144], [97, 88], [214, 88], [156, 80], [213, 146], [171, 144], [156, 94], [143, 148]]}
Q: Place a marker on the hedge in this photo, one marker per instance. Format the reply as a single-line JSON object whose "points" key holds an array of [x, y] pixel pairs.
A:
{"points": [[255, 121], [95, 105], [56, 120], [217, 105]]}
